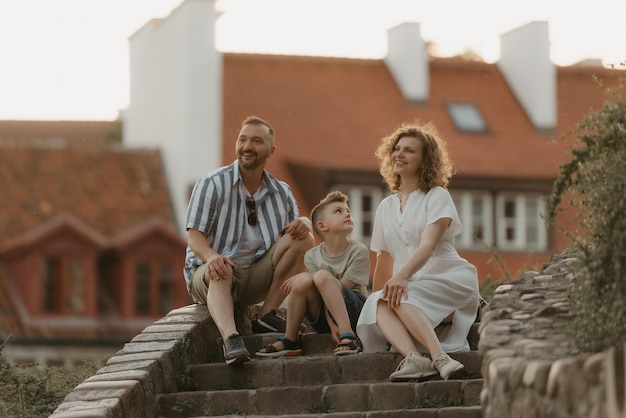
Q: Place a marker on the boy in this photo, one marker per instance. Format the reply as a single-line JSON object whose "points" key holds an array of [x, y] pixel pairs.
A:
{"points": [[332, 292]]}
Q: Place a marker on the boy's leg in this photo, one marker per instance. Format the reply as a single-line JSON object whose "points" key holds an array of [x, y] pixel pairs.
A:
{"points": [[303, 299], [330, 290]]}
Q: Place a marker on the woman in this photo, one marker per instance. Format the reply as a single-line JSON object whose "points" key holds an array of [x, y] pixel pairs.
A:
{"points": [[422, 279]]}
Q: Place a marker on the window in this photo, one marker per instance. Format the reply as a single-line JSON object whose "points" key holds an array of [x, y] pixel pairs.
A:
{"points": [[510, 221], [142, 289], [63, 286], [519, 219], [467, 117], [51, 286], [155, 288], [166, 288], [475, 211], [75, 287], [363, 202]]}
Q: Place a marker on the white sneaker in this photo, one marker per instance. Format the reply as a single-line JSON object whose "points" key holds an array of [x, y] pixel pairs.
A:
{"points": [[448, 367], [413, 367]]}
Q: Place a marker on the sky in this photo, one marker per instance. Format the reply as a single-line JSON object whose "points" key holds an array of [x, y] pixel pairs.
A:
{"points": [[69, 59]]}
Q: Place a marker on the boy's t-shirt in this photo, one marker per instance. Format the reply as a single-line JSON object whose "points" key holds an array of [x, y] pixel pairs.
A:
{"points": [[353, 264]]}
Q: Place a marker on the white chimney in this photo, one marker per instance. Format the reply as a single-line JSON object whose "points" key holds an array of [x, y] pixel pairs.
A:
{"points": [[176, 96], [525, 64], [407, 60]]}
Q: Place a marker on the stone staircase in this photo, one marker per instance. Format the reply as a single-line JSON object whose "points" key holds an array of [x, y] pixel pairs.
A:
{"points": [[320, 384]]}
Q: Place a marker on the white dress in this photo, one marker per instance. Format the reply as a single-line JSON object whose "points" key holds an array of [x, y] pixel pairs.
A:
{"points": [[446, 283]]}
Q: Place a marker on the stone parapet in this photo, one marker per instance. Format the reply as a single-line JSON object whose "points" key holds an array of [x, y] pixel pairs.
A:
{"points": [[150, 364], [529, 363]]}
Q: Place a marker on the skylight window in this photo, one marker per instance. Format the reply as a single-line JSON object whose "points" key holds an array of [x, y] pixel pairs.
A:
{"points": [[466, 117]]}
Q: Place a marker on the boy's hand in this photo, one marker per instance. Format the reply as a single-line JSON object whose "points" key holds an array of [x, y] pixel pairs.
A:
{"points": [[287, 284]]}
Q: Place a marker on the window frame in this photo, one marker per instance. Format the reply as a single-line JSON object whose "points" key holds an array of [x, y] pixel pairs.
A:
{"points": [[464, 200], [520, 222], [467, 117], [155, 282], [60, 293]]}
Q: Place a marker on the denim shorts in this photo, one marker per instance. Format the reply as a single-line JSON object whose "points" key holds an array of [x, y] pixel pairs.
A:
{"points": [[354, 303]]}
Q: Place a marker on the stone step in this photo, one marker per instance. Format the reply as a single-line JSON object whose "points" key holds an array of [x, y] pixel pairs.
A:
{"points": [[437, 398], [446, 412], [318, 383], [313, 343], [320, 369]]}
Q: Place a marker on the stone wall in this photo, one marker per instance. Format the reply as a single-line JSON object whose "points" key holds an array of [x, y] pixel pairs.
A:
{"points": [[529, 364]]}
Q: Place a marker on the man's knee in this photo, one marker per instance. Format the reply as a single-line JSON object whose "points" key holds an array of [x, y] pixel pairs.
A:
{"points": [[298, 246], [306, 243]]}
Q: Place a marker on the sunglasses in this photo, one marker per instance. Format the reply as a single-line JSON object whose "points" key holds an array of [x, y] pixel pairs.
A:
{"points": [[251, 205]]}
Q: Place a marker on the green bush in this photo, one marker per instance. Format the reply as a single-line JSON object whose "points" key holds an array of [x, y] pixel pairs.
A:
{"points": [[594, 181], [36, 391]]}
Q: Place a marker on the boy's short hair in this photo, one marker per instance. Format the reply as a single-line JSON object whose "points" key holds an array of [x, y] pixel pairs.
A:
{"points": [[316, 213]]}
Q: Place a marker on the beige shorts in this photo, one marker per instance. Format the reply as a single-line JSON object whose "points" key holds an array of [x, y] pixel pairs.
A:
{"points": [[250, 284]]}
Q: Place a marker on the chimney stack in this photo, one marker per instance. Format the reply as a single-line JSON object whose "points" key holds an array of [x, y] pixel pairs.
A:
{"points": [[526, 66], [407, 60]]}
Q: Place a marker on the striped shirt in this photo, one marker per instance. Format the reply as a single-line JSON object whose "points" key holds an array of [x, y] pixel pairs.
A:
{"points": [[218, 209]]}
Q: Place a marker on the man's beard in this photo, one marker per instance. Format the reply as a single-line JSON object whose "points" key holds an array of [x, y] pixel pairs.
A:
{"points": [[253, 164]]}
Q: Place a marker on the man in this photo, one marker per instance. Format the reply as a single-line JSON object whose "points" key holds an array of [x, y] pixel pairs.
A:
{"points": [[245, 239]]}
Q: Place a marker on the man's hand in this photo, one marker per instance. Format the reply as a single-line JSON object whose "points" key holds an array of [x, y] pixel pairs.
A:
{"points": [[299, 228], [216, 267]]}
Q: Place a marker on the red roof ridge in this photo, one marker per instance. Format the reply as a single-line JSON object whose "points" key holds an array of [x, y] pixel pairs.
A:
{"points": [[303, 58], [137, 231], [50, 227]]}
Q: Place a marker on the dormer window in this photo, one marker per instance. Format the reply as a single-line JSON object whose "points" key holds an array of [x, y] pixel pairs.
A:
{"points": [[63, 286], [467, 117]]}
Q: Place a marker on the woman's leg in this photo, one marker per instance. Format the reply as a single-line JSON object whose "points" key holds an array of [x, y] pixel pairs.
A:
{"points": [[394, 330], [419, 326]]}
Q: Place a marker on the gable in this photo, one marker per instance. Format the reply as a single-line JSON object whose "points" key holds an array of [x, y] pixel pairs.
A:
{"points": [[152, 237], [64, 234]]}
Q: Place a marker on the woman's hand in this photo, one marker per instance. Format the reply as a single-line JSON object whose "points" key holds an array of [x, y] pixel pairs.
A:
{"points": [[396, 287], [395, 290]]}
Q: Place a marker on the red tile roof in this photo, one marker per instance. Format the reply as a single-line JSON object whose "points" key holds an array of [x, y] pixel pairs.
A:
{"points": [[59, 134], [109, 190], [331, 112]]}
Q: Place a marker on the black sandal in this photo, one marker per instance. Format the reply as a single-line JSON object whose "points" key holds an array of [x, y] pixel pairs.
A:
{"points": [[290, 348], [354, 346]]}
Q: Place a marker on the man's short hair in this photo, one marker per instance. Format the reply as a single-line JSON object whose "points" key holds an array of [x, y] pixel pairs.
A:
{"points": [[317, 211], [255, 120]]}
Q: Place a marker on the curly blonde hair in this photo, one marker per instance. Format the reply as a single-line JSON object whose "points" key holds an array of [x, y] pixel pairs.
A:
{"points": [[436, 168]]}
